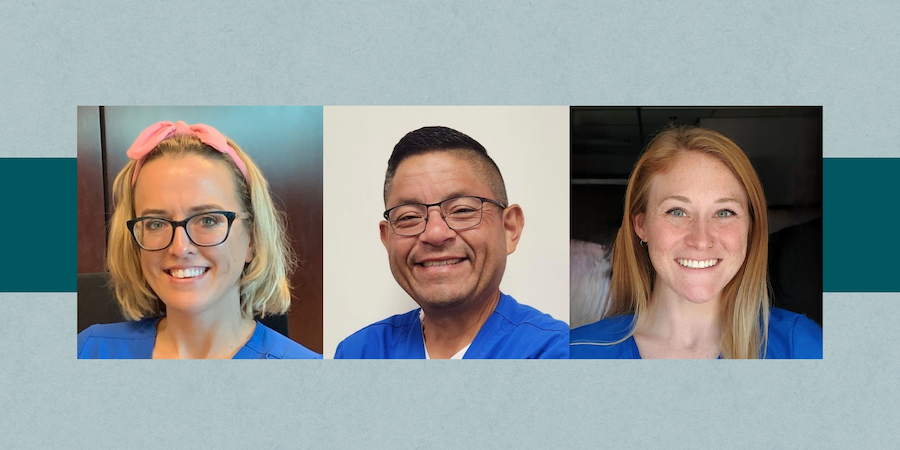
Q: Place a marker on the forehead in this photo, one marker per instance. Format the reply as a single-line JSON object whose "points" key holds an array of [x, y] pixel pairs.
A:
{"points": [[436, 176], [697, 176], [172, 182]]}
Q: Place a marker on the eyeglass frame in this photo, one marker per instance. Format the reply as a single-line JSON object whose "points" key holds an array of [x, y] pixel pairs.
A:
{"points": [[229, 215], [444, 217]]}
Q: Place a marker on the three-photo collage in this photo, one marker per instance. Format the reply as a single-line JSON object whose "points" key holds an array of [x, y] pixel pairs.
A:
{"points": [[449, 232]]}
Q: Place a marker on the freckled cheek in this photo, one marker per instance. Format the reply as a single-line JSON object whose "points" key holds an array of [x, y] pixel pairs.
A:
{"points": [[666, 233], [734, 235]]}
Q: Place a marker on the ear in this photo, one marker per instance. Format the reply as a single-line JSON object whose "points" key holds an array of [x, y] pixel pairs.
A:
{"points": [[513, 223], [385, 229], [251, 250], [638, 223]]}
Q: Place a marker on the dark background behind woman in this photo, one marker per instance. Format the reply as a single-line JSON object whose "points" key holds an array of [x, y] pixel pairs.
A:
{"points": [[286, 144], [784, 145]]}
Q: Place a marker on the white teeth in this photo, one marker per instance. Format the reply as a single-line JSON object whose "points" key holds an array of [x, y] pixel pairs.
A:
{"points": [[187, 273], [693, 264], [442, 263]]}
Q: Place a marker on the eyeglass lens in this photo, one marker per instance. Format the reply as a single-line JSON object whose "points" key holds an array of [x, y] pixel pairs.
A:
{"points": [[459, 213], [203, 229]]}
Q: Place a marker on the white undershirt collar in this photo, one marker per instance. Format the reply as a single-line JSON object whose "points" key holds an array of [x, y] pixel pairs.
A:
{"points": [[458, 355]]}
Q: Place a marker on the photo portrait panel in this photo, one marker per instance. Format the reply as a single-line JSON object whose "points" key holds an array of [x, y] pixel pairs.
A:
{"points": [[784, 145], [285, 142], [529, 145]]}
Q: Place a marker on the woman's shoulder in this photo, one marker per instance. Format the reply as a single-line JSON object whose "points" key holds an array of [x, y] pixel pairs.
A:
{"points": [[595, 340], [116, 340], [611, 328], [139, 329], [266, 343], [793, 335]]}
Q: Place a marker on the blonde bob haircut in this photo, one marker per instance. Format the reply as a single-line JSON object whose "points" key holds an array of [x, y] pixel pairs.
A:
{"points": [[744, 310], [264, 287]]}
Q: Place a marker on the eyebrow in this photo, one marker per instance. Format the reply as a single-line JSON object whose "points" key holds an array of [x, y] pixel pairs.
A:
{"points": [[193, 209], [686, 200], [454, 194]]}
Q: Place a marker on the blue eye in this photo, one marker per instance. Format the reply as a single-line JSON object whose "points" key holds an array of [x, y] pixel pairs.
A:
{"points": [[208, 221], [677, 212], [154, 224], [725, 213]]}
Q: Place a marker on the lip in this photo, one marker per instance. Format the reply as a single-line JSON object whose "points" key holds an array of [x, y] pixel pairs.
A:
{"points": [[419, 265], [701, 262], [438, 259], [190, 280]]}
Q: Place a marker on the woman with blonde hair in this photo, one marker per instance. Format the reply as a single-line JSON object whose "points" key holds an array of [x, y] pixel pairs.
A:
{"points": [[196, 250], [689, 262]]}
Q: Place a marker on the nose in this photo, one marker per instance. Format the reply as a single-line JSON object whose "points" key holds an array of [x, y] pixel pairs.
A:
{"points": [[181, 246], [436, 229], [701, 234]]}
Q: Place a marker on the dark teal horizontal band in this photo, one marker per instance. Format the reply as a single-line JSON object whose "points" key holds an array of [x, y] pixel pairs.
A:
{"points": [[861, 220], [860, 196], [40, 234]]}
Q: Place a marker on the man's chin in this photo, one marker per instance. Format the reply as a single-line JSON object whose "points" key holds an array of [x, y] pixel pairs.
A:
{"points": [[440, 300]]}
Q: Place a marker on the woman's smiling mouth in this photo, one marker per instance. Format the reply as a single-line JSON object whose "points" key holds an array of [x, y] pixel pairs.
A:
{"points": [[697, 264], [191, 272]]}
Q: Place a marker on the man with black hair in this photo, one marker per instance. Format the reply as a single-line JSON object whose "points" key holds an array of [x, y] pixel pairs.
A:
{"points": [[448, 228]]}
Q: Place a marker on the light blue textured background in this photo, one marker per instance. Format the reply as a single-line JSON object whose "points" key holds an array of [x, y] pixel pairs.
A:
{"points": [[57, 55]]}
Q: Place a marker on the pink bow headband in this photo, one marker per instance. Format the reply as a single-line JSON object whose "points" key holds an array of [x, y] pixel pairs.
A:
{"points": [[160, 131]]}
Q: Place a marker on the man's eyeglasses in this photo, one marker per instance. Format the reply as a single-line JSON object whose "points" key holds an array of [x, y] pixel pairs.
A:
{"points": [[460, 213], [206, 229]]}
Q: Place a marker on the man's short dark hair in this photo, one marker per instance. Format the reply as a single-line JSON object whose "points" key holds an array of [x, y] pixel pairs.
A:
{"points": [[436, 139]]}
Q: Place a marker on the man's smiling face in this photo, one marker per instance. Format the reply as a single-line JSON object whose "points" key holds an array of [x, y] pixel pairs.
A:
{"points": [[441, 267]]}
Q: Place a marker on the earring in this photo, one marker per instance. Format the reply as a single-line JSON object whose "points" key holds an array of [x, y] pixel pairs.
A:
{"points": [[643, 243]]}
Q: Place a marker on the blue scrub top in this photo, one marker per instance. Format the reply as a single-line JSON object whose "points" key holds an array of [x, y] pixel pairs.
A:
{"points": [[135, 340], [791, 336], [513, 331]]}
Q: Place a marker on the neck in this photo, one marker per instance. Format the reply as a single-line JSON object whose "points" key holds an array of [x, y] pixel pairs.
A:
{"points": [[447, 332], [182, 335], [681, 322]]}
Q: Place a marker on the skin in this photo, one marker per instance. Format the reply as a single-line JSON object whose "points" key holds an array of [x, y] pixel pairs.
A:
{"points": [[457, 299], [203, 318], [697, 211]]}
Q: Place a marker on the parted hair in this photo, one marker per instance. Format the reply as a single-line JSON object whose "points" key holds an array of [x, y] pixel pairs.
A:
{"points": [[264, 286], [744, 309]]}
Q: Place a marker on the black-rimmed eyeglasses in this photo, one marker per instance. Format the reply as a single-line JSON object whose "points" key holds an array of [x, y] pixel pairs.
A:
{"points": [[206, 229], [459, 213]]}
